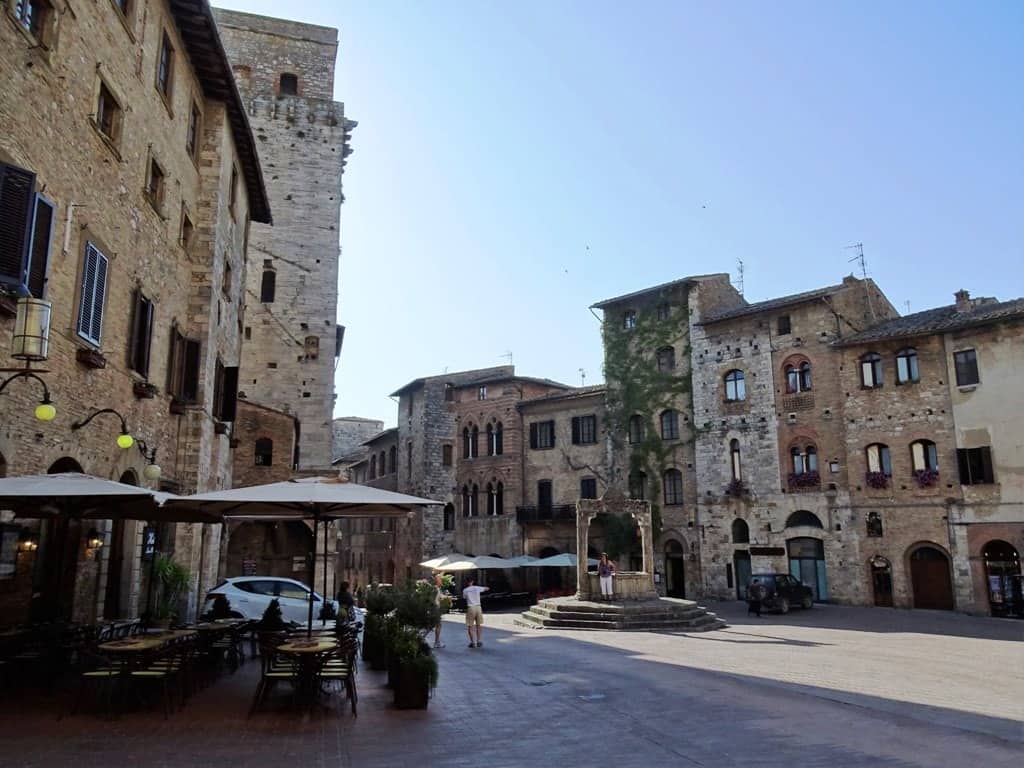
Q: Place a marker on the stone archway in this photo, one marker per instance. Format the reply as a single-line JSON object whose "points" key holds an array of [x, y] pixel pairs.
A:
{"points": [[637, 585]]}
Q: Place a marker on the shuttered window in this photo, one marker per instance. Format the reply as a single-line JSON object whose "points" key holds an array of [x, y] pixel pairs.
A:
{"points": [[542, 434], [225, 392], [39, 249], [584, 430], [141, 334], [16, 198], [183, 368], [93, 295]]}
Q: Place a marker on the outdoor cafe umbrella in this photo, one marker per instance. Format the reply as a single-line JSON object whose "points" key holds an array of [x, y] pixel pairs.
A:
{"points": [[320, 499], [435, 563], [68, 496], [564, 560]]}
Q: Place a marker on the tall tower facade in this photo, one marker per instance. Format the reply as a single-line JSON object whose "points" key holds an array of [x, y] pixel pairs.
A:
{"points": [[291, 340]]}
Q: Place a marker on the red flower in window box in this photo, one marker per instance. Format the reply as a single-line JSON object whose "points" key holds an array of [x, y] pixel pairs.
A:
{"points": [[926, 477]]}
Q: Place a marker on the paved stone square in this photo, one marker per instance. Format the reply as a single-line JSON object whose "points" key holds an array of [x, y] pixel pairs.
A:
{"points": [[833, 686]]}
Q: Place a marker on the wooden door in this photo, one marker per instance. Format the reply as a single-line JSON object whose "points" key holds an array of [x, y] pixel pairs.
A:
{"points": [[929, 576]]}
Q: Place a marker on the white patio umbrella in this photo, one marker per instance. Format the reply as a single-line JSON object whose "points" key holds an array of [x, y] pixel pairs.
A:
{"points": [[522, 560], [486, 562], [565, 560], [320, 499], [455, 566], [436, 562]]}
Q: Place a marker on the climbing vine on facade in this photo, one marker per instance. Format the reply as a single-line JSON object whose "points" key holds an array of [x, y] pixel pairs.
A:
{"points": [[638, 387]]}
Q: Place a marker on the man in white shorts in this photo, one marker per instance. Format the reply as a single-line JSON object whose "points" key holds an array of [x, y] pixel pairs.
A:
{"points": [[474, 612]]}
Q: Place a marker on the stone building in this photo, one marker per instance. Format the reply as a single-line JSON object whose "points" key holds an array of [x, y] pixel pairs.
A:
{"points": [[366, 546], [650, 413], [128, 177], [933, 425], [350, 432], [772, 472], [285, 73], [269, 437]]}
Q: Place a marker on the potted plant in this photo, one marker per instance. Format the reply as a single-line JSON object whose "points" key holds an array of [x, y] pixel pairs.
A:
{"points": [[221, 609], [416, 675], [173, 580], [272, 620], [380, 603]]}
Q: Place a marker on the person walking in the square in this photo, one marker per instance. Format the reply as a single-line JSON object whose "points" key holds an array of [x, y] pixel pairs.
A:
{"points": [[438, 589], [755, 594], [474, 612], [605, 572]]}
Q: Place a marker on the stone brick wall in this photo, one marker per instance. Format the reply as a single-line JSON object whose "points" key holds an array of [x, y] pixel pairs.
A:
{"points": [[253, 423], [350, 432], [48, 99], [288, 358]]}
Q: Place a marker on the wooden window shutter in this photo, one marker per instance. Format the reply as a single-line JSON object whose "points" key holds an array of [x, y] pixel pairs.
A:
{"points": [[533, 435], [551, 432], [218, 389], [141, 335], [229, 396], [39, 251], [16, 187], [575, 430], [963, 466], [94, 286], [986, 465], [191, 372], [175, 362]]}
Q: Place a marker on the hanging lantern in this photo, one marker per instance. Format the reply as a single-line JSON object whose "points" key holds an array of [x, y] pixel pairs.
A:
{"points": [[151, 471], [124, 440], [31, 338]]}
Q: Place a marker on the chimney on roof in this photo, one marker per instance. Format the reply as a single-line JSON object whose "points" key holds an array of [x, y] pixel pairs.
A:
{"points": [[963, 301]]}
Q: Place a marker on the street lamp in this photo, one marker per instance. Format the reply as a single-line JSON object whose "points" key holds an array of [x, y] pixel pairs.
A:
{"points": [[125, 441], [31, 343]]}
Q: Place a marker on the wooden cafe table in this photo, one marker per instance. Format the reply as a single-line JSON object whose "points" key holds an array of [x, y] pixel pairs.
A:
{"points": [[307, 654]]}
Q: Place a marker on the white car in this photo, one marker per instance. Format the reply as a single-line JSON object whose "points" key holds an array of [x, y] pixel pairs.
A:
{"points": [[249, 597]]}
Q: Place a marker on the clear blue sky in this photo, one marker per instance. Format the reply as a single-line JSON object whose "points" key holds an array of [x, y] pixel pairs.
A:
{"points": [[516, 162]]}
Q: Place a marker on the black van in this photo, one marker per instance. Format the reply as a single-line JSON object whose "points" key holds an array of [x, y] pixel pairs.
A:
{"points": [[783, 591]]}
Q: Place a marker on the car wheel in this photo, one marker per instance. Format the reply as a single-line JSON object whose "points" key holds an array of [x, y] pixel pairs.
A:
{"points": [[783, 605], [807, 603]]}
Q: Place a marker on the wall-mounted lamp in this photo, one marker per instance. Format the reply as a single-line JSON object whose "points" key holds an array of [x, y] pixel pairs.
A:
{"points": [[126, 441], [30, 342], [94, 540], [27, 541]]}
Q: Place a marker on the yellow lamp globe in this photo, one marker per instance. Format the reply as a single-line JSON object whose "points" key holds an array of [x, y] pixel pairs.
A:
{"points": [[125, 440], [46, 412]]}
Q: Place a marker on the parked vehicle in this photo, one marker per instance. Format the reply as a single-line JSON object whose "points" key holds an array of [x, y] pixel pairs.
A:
{"points": [[250, 595], [783, 591]]}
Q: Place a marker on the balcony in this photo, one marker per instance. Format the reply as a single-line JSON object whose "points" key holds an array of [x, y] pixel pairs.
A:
{"points": [[559, 512]]}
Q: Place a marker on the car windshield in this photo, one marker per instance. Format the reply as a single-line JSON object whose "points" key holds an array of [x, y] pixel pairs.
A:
{"points": [[293, 591]]}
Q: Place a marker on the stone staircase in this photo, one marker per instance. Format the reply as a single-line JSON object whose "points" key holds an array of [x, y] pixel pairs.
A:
{"points": [[663, 614]]}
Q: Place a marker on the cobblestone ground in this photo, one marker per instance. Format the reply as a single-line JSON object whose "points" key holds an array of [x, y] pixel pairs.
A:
{"points": [[833, 687]]}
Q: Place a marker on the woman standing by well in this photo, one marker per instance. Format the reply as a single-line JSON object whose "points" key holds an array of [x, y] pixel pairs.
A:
{"points": [[605, 571]]}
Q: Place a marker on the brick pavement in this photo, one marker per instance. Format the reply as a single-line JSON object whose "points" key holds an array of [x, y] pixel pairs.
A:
{"points": [[834, 686]]}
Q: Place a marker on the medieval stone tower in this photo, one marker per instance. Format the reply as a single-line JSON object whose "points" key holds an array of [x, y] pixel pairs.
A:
{"points": [[291, 340]]}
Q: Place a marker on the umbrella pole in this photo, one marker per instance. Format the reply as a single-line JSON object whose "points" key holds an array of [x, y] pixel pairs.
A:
{"points": [[312, 582], [323, 614]]}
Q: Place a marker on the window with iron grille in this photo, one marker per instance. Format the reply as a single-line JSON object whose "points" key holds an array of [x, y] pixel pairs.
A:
{"points": [[92, 295], [542, 434], [584, 430]]}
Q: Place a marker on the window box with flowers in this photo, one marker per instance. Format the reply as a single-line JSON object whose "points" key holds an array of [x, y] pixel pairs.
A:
{"points": [[926, 478], [804, 480], [876, 480]]}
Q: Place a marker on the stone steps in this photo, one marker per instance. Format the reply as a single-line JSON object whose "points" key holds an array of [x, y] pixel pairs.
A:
{"points": [[662, 614]]}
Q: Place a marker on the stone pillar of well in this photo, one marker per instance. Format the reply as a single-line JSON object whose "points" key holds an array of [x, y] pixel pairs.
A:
{"points": [[641, 585]]}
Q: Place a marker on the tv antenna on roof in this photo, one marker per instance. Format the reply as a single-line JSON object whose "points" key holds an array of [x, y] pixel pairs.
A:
{"points": [[507, 356], [583, 378], [739, 276], [859, 258]]}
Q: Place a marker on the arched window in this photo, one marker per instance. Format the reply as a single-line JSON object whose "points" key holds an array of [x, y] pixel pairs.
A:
{"points": [[792, 379], [449, 517], [268, 286], [465, 501], [474, 439], [735, 386], [629, 319], [393, 459], [871, 370], [288, 84], [264, 456], [803, 518], [906, 366], [740, 532], [734, 459], [669, 425], [499, 499], [878, 459], [373, 467], [474, 501], [666, 357], [499, 439], [804, 466], [491, 500], [805, 376], [924, 458], [638, 486], [636, 428], [490, 440], [465, 442], [673, 485], [383, 464]]}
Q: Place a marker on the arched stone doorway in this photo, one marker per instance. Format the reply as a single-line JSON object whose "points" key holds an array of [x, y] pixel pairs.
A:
{"points": [[675, 569], [116, 561], [881, 581], [550, 578], [1002, 564], [930, 578], [279, 548], [807, 563]]}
